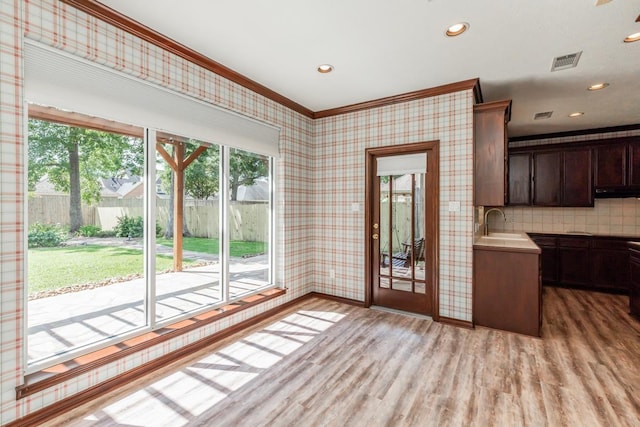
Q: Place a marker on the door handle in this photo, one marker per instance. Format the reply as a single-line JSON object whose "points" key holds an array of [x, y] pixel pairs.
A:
{"points": [[375, 236]]}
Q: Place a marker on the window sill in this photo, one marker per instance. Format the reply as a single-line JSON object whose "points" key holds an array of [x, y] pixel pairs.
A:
{"points": [[62, 372]]}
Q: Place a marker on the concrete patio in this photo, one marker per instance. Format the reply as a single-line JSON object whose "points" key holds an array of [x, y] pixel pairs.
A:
{"points": [[74, 319]]}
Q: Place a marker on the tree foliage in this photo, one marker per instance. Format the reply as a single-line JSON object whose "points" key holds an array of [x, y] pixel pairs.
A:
{"points": [[244, 169], [74, 159]]}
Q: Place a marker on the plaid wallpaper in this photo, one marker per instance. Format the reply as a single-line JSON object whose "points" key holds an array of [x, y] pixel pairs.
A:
{"points": [[320, 175], [340, 144]]}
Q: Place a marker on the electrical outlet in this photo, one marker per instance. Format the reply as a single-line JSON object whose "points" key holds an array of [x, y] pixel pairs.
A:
{"points": [[332, 274]]}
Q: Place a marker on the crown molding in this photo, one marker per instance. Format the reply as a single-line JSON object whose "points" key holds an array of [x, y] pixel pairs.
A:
{"points": [[125, 23]]}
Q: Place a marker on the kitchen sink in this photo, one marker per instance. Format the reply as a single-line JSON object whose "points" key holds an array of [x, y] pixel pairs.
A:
{"points": [[505, 236]]}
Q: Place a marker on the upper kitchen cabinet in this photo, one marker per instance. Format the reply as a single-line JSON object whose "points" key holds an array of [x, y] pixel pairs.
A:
{"points": [[547, 179], [610, 166], [576, 178], [551, 176], [519, 179], [616, 167], [490, 152]]}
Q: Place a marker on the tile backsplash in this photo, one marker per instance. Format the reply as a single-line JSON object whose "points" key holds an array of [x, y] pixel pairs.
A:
{"points": [[608, 216]]}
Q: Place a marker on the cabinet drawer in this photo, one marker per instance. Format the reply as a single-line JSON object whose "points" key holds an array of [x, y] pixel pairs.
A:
{"points": [[569, 242]]}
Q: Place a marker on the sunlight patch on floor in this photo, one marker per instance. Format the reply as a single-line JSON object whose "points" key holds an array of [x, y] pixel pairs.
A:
{"points": [[179, 398]]}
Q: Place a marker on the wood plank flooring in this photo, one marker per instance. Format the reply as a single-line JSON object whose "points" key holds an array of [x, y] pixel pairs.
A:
{"points": [[328, 364]]}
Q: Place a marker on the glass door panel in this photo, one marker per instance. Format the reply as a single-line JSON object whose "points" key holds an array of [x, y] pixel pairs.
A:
{"points": [[249, 222], [187, 211]]}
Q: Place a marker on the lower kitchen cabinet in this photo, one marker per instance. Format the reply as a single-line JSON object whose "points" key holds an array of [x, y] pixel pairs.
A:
{"points": [[574, 261], [507, 293], [588, 262], [634, 279], [609, 263], [548, 257]]}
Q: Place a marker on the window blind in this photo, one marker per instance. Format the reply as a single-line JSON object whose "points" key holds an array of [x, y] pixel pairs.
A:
{"points": [[402, 164], [59, 79]]}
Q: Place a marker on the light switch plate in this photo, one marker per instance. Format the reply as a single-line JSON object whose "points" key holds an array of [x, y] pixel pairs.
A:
{"points": [[355, 207]]}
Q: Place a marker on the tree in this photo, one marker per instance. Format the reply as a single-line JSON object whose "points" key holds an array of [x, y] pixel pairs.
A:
{"points": [[245, 169], [201, 181], [75, 159]]}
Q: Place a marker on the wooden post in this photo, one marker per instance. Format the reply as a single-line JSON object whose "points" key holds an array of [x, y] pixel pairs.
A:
{"points": [[178, 164], [178, 207]]}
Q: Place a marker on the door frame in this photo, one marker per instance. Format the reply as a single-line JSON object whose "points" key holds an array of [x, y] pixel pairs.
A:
{"points": [[432, 148]]}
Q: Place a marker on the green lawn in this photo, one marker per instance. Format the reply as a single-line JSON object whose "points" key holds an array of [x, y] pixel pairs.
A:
{"points": [[237, 248], [51, 268]]}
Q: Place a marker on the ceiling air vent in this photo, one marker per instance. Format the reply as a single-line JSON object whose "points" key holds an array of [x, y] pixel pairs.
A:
{"points": [[544, 115], [565, 61]]}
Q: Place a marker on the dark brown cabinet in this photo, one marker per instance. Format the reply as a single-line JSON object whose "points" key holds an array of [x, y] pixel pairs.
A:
{"points": [[573, 254], [551, 177], [634, 279], [616, 167], [609, 263], [576, 178], [548, 257], [634, 164], [519, 179], [507, 293], [591, 262], [490, 152], [546, 178], [610, 166]]}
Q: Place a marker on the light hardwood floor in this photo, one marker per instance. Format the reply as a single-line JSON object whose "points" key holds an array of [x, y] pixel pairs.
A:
{"points": [[328, 364]]}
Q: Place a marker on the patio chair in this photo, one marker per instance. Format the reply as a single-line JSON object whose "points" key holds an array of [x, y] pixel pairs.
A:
{"points": [[403, 258]]}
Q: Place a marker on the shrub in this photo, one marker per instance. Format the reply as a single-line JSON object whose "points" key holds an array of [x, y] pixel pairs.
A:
{"points": [[89, 230], [129, 226], [46, 235], [132, 227]]}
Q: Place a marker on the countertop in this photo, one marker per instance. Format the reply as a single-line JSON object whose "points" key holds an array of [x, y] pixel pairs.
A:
{"points": [[492, 243], [586, 234]]}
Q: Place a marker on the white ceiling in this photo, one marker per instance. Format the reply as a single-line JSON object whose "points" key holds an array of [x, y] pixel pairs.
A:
{"points": [[387, 47]]}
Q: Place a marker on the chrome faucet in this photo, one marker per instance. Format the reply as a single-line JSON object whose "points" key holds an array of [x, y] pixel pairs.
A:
{"points": [[486, 216]]}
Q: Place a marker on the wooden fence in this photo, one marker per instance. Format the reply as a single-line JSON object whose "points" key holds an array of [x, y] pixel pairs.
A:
{"points": [[249, 221]]}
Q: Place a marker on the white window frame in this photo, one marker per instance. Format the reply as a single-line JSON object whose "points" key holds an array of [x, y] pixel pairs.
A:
{"points": [[149, 253]]}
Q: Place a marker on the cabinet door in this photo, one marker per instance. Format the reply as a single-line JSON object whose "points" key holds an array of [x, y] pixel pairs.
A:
{"points": [[576, 180], [490, 153], [634, 288], [609, 269], [520, 179], [548, 257], [634, 164], [610, 166], [573, 254], [546, 178]]}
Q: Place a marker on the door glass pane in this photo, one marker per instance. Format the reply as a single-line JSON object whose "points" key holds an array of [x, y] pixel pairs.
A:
{"points": [[384, 230], [418, 226], [402, 285], [188, 276], [401, 215], [85, 216], [249, 222]]}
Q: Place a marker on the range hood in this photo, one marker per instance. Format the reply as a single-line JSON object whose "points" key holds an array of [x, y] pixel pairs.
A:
{"points": [[619, 193]]}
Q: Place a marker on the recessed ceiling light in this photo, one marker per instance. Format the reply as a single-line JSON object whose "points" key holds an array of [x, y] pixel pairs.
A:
{"points": [[457, 29], [325, 68], [576, 114], [598, 86], [632, 38]]}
